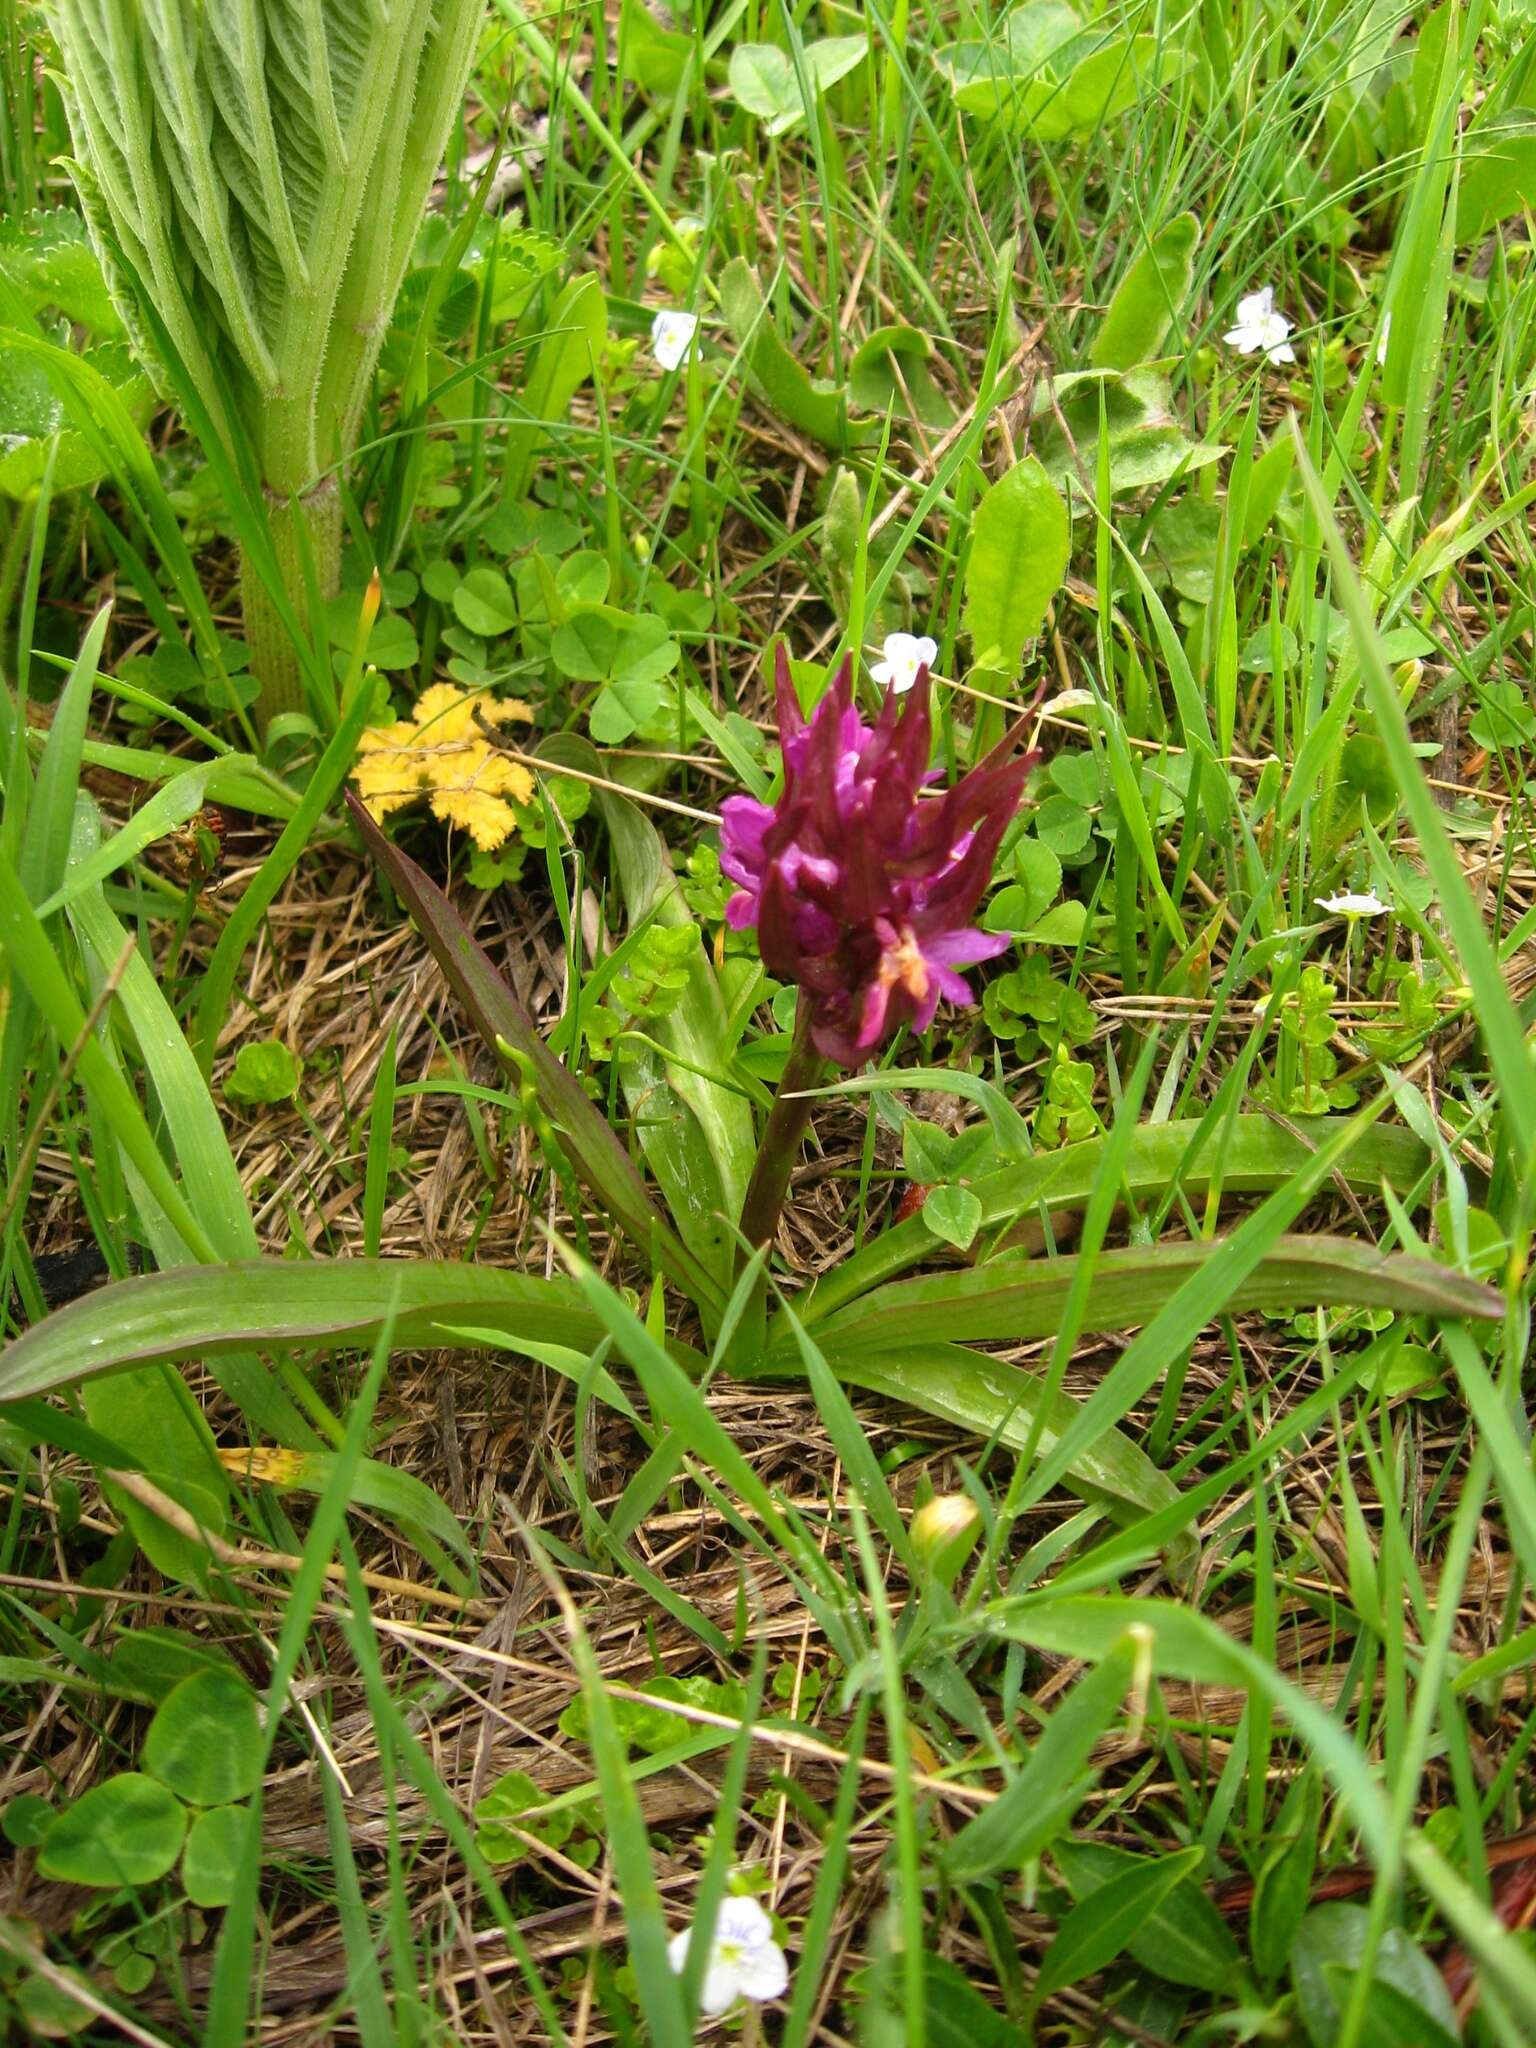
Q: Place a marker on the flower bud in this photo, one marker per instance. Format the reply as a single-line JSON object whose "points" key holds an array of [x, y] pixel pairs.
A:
{"points": [[944, 1532]]}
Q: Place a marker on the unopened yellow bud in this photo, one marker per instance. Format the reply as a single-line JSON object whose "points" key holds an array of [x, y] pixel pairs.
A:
{"points": [[944, 1532]]}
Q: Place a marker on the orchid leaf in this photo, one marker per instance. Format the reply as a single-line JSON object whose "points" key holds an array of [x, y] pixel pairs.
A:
{"points": [[696, 1131], [1251, 1153], [601, 1162], [1021, 540], [993, 1398], [1015, 1299], [284, 1305], [1148, 298]]}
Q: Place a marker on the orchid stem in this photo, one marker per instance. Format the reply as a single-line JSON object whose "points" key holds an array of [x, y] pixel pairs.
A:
{"points": [[785, 1127]]}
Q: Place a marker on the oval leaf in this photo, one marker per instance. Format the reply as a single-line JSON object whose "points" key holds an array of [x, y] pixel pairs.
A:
{"points": [[205, 1741], [215, 1852], [1105, 1924], [1020, 542], [127, 1831]]}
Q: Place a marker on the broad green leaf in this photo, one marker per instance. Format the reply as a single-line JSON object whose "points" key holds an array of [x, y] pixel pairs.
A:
{"points": [[955, 2015], [1284, 1885], [1148, 298], [656, 58], [150, 1659], [1020, 543], [1103, 1926], [1326, 1956], [207, 1173], [265, 1071], [128, 1830], [1391, 2018], [48, 257], [32, 416], [218, 1843], [1019, 69], [153, 1412], [205, 1740], [601, 1162], [764, 79], [1498, 171], [386, 1490], [483, 602], [784, 385], [890, 369], [227, 778], [953, 1214], [1104, 84], [1184, 1940], [1146, 443], [1246, 1154]]}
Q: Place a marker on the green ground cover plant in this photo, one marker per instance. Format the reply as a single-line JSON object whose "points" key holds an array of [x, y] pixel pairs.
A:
{"points": [[767, 912]]}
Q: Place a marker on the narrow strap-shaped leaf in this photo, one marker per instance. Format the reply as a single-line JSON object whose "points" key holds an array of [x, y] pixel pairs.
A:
{"points": [[606, 1169], [1251, 1153], [994, 1398], [1014, 1299], [287, 1304]]}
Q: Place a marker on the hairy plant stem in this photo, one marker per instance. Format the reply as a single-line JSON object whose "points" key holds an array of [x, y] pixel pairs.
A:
{"points": [[304, 531], [786, 1126]]}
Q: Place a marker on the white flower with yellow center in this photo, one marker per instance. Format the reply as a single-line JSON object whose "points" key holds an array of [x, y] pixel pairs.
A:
{"points": [[744, 1959], [1352, 903], [1260, 327], [672, 336], [904, 654]]}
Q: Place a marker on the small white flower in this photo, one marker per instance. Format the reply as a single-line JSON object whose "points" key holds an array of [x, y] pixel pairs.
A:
{"points": [[672, 335], [1383, 338], [1352, 903], [904, 656], [1259, 326], [744, 1959]]}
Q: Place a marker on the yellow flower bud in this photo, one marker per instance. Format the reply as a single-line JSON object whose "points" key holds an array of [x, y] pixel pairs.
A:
{"points": [[944, 1532]]}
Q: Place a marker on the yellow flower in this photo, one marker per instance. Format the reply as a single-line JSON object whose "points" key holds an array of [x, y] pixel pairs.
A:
{"points": [[441, 749]]}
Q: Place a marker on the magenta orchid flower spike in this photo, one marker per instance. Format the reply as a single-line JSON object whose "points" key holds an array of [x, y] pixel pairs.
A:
{"points": [[861, 885]]}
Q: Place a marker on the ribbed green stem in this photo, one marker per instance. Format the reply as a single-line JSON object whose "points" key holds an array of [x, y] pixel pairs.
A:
{"points": [[786, 1126], [306, 529]]}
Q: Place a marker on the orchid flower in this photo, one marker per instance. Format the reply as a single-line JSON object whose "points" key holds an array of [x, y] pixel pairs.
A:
{"points": [[860, 885], [1259, 326]]}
